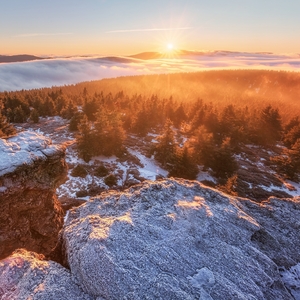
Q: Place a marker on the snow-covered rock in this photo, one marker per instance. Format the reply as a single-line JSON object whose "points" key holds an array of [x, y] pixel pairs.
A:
{"points": [[24, 149], [30, 170], [176, 239], [25, 275], [291, 278]]}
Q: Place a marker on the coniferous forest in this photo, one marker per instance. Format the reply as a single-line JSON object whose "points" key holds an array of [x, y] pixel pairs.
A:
{"points": [[201, 119]]}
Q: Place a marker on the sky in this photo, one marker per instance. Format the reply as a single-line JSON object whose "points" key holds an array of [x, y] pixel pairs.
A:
{"points": [[124, 27]]}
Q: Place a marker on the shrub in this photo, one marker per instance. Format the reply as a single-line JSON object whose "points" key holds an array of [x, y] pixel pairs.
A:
{"points": [[101, 171], [81, 194], [34, 116], [79, 171], [110, 180]]}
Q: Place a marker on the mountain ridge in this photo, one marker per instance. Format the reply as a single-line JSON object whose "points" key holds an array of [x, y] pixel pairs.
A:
{"points": [[19, 58]]}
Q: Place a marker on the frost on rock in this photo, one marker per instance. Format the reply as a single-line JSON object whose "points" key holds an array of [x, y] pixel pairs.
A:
{"points": [[22, 149], [25, 275], [177, 239], [291, 278], [203, 280], [31, 168]]}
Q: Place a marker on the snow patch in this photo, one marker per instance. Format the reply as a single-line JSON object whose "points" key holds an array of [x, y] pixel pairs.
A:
{"points": [[205, 176], [150, 169]]}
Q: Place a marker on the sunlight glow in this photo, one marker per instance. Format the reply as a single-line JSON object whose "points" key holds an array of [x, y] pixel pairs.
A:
{"points": [[170, 46]]}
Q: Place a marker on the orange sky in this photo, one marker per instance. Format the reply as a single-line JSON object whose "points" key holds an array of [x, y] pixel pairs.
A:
{"points": [[118, 27]]}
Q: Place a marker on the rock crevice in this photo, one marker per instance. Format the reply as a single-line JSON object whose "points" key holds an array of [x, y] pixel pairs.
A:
{"points": [[30, 215]]}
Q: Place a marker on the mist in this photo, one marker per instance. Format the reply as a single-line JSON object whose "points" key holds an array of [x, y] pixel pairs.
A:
{"points": [[65, 71]]}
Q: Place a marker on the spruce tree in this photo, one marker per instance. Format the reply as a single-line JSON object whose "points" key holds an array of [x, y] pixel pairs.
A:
{"points": [[85, 140], [34, 116], [6, 128], [165, 150], [184, 165]]}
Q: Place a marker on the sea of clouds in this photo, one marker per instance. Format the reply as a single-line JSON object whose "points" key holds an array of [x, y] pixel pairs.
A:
{"points": [[65, 71]]}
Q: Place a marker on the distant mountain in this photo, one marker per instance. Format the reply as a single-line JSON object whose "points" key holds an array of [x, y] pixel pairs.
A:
{"points": [[116, 59], [147, 55], [18, 58], [191, 53], [175, 54]]}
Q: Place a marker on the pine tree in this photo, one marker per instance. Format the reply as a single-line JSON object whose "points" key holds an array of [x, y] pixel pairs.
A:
{"points": [[114, 136], [295, 154], [34, 116], [6, 128], [203, 147], [269, 127], [184, 165], [224, 164], [85, 140], [288, 163], [292, 132], [165, 150], [19, 115], [141, 123], [75, 120], [101, 130], [69, 110]]}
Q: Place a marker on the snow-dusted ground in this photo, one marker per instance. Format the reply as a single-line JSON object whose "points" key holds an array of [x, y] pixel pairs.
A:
{"points": [[150, 169], [205, 176], [56, 128], [288, 187], [127, 171]]}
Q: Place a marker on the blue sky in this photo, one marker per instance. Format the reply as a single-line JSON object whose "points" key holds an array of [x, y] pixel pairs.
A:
{"points": [[115, 27]]}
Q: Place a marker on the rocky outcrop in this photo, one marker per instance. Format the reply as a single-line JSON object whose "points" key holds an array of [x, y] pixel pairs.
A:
{"points": [[177, 239], [26, 275], [181, 240], [30, 170]]}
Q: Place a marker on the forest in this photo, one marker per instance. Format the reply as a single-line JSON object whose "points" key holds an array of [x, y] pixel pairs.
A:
{"points": [[200, 119]]}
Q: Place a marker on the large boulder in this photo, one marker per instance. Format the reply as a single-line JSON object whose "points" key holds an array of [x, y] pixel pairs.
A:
{"points": [[26, 275], [31, 168], [177, 239]]}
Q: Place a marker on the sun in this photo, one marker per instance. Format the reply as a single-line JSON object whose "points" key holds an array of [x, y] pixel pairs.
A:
{"points": [[170, 46]]}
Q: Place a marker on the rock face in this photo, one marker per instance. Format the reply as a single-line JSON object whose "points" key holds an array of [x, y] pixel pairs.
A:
{"points": [[181, 240], [25, 275], [174, 239], [30, 170]]}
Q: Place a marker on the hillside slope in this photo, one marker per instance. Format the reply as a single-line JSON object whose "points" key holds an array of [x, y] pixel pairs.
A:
{"points": [[252, 88]]}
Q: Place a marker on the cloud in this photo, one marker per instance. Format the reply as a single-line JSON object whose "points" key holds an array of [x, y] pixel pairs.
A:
{"points": [[148, 29], [43, 34], [63, 71], [56, 72]]}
